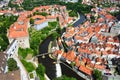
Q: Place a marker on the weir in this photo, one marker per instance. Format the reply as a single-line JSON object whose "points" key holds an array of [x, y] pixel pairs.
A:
{"points": [[58, 70]]}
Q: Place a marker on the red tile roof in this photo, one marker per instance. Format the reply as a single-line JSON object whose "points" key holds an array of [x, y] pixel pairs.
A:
{"points": [[71, 56], [102, 67], [85, 70], [18, 30], [39, 19], [77, 61]]}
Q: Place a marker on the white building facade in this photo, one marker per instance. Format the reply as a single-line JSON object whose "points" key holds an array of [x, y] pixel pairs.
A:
{"points": [[41, 25]]}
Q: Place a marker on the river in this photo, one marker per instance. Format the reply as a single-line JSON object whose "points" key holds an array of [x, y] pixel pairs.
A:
{"points": [[48, 63], [80, 20]]}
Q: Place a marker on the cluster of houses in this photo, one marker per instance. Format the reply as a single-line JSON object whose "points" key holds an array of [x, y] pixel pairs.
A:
{"points": [[19, 30], [73, 1], [93, 45], [18, 34], [89, 2]]}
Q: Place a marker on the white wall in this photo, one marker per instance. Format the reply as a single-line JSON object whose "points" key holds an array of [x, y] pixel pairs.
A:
{"points": [[40, 26], [12, 48], [23, 42]]}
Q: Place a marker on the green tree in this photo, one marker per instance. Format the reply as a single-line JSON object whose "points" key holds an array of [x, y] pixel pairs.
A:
{"points": [[43, 13], [31, 21], [5, 22], [80, 1], [73, 14], [55, 35], [97, 74], [24, 52], [10, 4], [3, 42], [12, 64], [64, 77], [28, 65], [40, 70]]}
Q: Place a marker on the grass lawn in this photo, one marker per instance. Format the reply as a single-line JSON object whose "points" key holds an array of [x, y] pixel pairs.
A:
{"points": [[28, 65], [24, 52], [28, 57]]}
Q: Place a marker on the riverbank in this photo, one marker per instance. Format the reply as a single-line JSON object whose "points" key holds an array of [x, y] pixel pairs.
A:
{"points": [[49, 63]]}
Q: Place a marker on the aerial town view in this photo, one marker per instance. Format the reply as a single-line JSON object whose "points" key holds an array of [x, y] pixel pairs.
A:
{"points": [[59, 39]]}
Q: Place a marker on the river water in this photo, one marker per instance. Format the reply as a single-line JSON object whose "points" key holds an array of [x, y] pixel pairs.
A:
{"points": [[49, 63], [80, 20]]}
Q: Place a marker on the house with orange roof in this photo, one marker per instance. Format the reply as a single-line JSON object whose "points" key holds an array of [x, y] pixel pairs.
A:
{"points": [[51, 18], [70, 56], [73, 1], [19, 31], [92, 45], [85, 70], [39, 22]]}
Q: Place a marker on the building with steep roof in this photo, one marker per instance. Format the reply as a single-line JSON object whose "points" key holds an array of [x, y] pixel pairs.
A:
{"points": [[39, 22], [19, 31], [73, 1], [93, 45]]}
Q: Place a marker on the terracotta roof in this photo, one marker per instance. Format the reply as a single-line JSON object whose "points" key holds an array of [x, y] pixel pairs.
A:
{"points": [[101, 20], [50, 17], [58, 52], [102, 67], [39, 19], [64, 55], [108, 16], [70, 56], [77, 61], [85, 70], [36, 9], [18, 30]]}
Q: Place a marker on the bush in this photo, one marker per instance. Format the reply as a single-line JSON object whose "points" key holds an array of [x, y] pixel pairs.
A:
{"points": [[73, 14], [97, 74], [5, 22], [31, 75], [12, 64], [24, 52], [40, 70], [28, 65], [31, 21], [64, 77]]}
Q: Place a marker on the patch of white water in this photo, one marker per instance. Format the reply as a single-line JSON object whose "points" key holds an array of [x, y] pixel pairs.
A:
{"points": [[58, 70]]}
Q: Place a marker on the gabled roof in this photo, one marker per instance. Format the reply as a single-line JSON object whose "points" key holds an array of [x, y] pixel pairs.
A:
{"points": [[38, 19], [70, 56], [18, 30], [77, 61], [85, 70]]}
